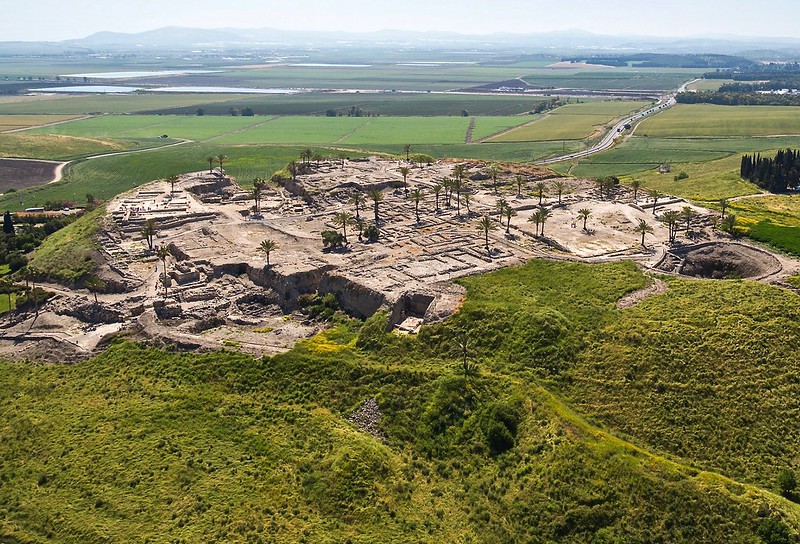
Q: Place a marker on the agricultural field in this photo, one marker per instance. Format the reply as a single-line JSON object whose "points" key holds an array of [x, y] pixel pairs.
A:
{"points": [[111, 103], [383, 104], [708, 84], [709, 120], [152, 126], [638, 79], [17, 122], [54, 147], [571, 122], [296, 130]]}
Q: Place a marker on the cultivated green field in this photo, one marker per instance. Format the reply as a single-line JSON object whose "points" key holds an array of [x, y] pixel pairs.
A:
{"points": [[383, 104], [297, 130], [691, 120], [152, 126], [643, 79], [85, 104], [708, 84], [571, 122]]}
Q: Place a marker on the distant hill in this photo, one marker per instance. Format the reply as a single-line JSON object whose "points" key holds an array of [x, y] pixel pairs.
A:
{"points": [[560, 42]]}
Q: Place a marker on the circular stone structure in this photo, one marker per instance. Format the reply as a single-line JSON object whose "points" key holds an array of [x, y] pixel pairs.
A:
{"points": [[727, 261]]}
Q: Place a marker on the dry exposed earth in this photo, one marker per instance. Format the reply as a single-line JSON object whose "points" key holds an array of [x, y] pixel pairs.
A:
{"points": [[220, 293]]}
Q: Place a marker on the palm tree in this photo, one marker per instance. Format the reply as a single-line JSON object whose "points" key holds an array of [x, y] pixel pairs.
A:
{"points": [[221, 159], [293, 169], [376, 197], [729, 223], [148, 232], [162, 254], [7, 288], [459, 171], [688, 214], [93, 284], [448, 190], [643, 228], [416, 196], [436, 190], [723, 203], [540, 187], [404, 171], [258, 189], [494, 171], [520, 180], [671, 217], [635, 185], [211, 160], [358, 200], [305, 155], [172, 180], [456, 186], [466, 198], [536, 218], [343, 219], [268, 246], [510, 212], [560, 185], [486, 224], [584, 214], [501, 206], [544, 216], [407, 151], [655, 195]]}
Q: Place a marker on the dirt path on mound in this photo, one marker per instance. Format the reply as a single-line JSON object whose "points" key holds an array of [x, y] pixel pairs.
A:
{"points": [[632, 299]]}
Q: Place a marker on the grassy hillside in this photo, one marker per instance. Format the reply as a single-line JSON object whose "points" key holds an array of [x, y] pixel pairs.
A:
{"points": [[144, 445], [66, 255]]}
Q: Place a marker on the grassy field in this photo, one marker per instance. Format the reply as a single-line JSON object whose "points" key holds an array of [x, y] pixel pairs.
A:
{"points": [[51, 147], [611, 78], [152, 126], [384, 104], [298, 130], [707, 181], [67, 255], [85, 104], [706, 371], [708, 84], [14, 122], [571, 122], [709, 120], [639, 154], [145, 444]]}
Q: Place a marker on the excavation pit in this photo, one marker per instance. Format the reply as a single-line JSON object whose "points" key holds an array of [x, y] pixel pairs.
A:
{"points": [[728, 261]]}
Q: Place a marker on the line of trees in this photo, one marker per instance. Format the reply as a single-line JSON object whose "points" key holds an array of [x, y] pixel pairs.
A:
{"points": [[733, 98], [777, 174]]}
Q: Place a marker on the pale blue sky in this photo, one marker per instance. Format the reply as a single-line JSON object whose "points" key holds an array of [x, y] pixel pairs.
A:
{"points": [[63, 19]]}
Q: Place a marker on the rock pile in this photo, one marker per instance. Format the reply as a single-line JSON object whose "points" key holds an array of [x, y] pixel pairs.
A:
{"points": [[367, 418]]}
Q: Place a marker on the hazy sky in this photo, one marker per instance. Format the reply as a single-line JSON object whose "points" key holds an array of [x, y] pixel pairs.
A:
{"points": [[62, 19]]}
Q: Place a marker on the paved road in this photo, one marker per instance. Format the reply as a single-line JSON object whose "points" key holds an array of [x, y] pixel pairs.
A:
{"points": [[619, 129]]}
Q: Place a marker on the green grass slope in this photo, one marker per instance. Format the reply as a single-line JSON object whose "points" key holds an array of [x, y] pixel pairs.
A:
{"points": [[146, 445]]}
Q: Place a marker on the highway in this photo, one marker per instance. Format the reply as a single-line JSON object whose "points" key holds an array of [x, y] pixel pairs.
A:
{"points": [[619, 128]]}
